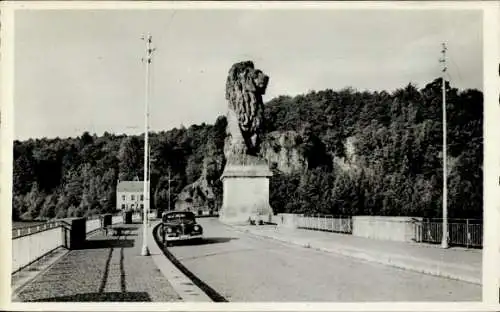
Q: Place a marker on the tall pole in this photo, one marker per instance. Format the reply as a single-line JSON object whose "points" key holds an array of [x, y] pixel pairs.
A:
{"points": [[147, 60], [444, 241], [149, 179], [168, 189]]}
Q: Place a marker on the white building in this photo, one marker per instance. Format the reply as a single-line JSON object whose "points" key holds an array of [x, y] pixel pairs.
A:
{"points": [[130, 195]]}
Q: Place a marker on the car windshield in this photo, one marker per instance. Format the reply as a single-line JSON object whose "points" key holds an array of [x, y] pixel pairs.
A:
{"points": [[178, 216]]}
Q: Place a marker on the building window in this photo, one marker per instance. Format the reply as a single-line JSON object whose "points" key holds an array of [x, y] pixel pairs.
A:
{"points": [[123, 206], [132, 197], [142, 206], [132, 206], [123, 197], [142, 196]]}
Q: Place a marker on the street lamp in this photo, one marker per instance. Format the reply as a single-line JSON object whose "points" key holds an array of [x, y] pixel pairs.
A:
{"points": [[149, 52], [169, 189], [444, 241]]}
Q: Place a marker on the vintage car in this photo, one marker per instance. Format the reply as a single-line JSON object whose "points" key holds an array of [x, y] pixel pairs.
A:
{"points": [[180, 226]]}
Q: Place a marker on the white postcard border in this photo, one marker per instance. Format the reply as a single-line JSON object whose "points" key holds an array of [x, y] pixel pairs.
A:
{"points": [[491, 250]]}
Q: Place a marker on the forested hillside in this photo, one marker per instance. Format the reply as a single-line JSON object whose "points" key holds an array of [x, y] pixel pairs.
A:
{"points": [[397, 163], [78, 176], [373, 153]]}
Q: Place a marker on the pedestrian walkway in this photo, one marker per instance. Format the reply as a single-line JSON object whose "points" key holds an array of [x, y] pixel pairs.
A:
{"points": [[107, 268], [457, 263]]}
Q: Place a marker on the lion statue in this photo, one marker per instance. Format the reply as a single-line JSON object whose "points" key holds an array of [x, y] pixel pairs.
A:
{"points": [[244, 89]]}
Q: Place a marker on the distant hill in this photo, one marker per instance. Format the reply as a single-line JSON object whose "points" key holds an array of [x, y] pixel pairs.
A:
{"points": [[335, 152]]}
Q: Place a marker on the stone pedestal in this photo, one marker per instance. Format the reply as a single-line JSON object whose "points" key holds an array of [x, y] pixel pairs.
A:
{"points": [[245, 193]]}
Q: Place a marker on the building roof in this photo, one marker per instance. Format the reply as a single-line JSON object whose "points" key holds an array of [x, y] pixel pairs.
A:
{"points": [[130, 186]]}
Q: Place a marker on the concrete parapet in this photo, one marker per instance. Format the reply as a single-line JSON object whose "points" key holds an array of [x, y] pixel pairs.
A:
{"points": [[69, 233], [29, 248], [400, 229], [287, 220]]}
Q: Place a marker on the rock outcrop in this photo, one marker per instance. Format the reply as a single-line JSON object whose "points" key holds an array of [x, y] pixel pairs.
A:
{"points": [[281, 150], [196, 196], [200, 194], [350, 163]]}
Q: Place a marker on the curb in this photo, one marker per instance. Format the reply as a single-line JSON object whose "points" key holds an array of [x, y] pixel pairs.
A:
{"points": [[386, 259], [184, 287]]}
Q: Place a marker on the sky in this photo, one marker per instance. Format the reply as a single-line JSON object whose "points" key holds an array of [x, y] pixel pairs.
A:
{"points": [[81, 70]]}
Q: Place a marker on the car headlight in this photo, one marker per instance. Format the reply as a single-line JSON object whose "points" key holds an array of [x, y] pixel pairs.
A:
{"points": [[196, 228], [169, 230]]}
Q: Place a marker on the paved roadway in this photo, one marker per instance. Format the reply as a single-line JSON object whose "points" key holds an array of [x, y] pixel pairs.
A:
{"points": [[242, 267]]}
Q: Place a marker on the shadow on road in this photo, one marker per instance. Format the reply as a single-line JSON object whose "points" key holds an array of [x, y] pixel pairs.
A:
{"points": [[125, 227], [214, 240], [100, 297], [204, 241], [108, 243]]}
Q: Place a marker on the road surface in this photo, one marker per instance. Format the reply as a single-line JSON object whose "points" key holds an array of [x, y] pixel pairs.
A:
{"points": [[242, 267]]}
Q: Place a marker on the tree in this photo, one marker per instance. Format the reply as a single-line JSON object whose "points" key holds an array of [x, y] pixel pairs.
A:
{"points": [[161, 194], [73, 188], [49, 207], [62, 206], [131, 160], [193, 169], [23, 174], [18, 207], [283, 195], [107, 191], [34, 201]]}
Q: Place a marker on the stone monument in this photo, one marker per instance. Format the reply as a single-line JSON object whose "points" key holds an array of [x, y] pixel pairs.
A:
{"points": [[246, 174]]}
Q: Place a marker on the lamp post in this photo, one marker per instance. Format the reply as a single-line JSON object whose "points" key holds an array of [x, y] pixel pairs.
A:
{"points": [[147, 60], [169, 190], [149, 181], [444, 241], [152, 160]]}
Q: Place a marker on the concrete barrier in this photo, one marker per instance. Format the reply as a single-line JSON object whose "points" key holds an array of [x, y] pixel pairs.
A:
{"points": [[376, 227], [127, 217], [31, 247], [400, 229], [117, 219], [93, 225], [75, 230], [288, 220], [35, 244]]}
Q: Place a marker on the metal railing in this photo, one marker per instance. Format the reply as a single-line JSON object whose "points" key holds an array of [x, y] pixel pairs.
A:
{"points": [[461, 232], [28, 229], [326, 223], [32, 229]]}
